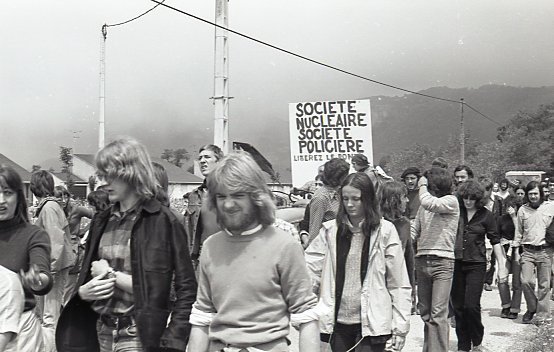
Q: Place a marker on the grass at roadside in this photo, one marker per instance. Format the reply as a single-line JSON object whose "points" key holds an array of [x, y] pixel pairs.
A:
{"points": [[542, 340]]}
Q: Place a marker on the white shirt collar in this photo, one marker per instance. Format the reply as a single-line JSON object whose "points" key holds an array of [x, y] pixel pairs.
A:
{"points": [[247, 232]]}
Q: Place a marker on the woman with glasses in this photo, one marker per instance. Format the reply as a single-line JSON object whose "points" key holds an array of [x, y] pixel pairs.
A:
{"points": [[476, 223]]}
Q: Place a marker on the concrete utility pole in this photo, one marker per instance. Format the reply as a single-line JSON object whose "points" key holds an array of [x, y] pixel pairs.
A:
{"points": [[221, 77], [462, 134], [102, 87]]}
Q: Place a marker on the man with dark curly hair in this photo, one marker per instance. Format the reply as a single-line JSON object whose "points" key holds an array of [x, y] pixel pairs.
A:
{"points": [[325, 202]]}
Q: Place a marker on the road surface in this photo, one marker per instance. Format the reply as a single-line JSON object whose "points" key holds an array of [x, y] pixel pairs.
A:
{"points": [[500, 334]]}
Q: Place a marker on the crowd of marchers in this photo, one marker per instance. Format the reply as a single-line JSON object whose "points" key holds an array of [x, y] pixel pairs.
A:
{"points": [[226, 275]]}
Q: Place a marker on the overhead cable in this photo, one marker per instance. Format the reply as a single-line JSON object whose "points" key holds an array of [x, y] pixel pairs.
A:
{"points": [[134, 18], [301, 56], [480, 113], [317, 62]]}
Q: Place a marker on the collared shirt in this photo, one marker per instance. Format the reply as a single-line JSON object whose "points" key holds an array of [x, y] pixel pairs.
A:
{"points": [[115, 248], [323, 207], [482, 225], [247, 232], [532, 223]]}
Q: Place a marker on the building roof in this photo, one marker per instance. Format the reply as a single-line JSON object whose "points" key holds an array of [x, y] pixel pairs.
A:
{"points": [[88, 158], [176, 174], [23, 173], [63, 176]]}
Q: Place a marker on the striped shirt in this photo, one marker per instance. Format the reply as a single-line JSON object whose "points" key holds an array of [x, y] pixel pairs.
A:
{"points": [[115, 248], [323, 207]]}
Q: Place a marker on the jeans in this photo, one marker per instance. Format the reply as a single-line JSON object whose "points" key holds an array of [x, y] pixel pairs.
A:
{"points": [[347, 336], [512, 301], [467, 288], [49, 308], [541, 260], [434, 278], [118, 340]]}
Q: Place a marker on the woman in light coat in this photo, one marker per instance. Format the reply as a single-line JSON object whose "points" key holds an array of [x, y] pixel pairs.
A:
{"points": [[357, 267]]}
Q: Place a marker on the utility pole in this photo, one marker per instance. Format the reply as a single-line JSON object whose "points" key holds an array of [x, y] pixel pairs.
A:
{"points": [[462, 133], [221, 77], [75, 137], [102, 86]]}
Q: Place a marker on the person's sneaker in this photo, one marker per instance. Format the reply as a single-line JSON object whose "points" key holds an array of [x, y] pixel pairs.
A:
{"points": [[479, 348], [505, 313], [488, 287], [527, 317], [512, 315]]}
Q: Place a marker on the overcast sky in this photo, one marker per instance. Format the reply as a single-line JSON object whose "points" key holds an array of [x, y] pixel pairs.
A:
{"points": [[160, 67]]}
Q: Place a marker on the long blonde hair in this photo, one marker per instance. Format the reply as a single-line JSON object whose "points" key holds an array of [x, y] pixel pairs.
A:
{"points": [[127, 159]]}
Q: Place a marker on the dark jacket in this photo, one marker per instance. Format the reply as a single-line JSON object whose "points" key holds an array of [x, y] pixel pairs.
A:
{"points": [[192, 220], [482, 224], [158, 250], [413, 204]]}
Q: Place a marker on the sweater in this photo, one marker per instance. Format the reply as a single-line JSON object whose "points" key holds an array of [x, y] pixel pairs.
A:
{"points": [[23, 245], [251, 284], [436, 225]]}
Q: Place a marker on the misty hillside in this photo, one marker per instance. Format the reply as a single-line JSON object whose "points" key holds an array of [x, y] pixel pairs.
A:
{"points": [[401, 121]]}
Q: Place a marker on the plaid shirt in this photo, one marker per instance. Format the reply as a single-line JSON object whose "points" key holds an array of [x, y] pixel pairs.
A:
{"points": [[115, 248]]}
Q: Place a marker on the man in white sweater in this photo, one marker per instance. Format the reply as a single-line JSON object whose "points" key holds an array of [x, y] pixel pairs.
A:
{"points": [[252, 279]]}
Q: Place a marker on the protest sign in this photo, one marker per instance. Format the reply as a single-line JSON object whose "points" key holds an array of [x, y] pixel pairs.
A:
{"points": [[322, 130]]}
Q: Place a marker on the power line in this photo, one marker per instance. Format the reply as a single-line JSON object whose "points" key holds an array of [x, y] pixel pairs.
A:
{"points": [[480, 113], [303, 57], [319, 62], [134, 18]]}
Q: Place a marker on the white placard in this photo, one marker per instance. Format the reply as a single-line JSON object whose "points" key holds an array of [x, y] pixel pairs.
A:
{"points": [[322, 130]]}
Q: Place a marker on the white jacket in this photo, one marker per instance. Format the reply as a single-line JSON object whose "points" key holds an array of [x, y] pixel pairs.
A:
{"points": [[386, 290]]}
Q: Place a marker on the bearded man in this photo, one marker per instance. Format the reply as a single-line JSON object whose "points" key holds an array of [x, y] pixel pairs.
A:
{"points": [[253, 280]]}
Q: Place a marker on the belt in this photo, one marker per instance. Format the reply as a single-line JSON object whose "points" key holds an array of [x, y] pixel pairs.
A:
{"points": [[118, 321], [535, 248]]}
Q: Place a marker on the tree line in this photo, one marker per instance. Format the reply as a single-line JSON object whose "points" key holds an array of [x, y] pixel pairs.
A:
{"points": [[525, 142]]}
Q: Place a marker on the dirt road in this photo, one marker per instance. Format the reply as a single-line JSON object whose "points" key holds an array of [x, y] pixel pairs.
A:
{"points": [[500, 334]]}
